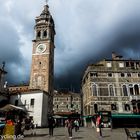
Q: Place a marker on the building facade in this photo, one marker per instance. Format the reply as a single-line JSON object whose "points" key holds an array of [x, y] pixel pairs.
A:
{"points": [[65, 103], [34, 101], [42, 68], [113, 85]]}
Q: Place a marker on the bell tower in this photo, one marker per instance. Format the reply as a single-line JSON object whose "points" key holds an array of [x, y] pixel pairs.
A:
{"points": [[42, 68]]}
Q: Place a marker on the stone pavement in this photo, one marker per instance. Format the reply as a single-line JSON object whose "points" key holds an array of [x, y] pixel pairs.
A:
{"points": [[82, 134]]}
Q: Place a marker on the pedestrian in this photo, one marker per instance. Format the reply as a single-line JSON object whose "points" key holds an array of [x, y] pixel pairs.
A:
{"points": [[98, 125], [51, 124], [32, 126], [76, 125], [69, 125]]}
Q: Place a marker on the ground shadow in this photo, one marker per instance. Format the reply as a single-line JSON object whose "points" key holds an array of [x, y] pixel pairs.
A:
{"points": [[77, 138], [105, 136], [59, 135]]}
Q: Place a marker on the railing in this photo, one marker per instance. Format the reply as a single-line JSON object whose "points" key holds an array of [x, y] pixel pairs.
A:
{"points": [[134, 97]]}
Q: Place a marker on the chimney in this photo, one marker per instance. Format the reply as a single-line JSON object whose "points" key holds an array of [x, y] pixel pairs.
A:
{"points": [[113, 55]]}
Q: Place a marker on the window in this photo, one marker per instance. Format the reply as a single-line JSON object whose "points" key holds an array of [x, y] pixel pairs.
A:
{"points": [[136, 88], [16, 102], [127, 107], [131, 89], [138, 74], [72, 105], [125, 90], [128, 74], [121, 64], [113, 107], [95, 74], [122, 74], [109, 64], [45, 34], [127, 64], [38, 34], [32, 102], [109, 74], [67, 106], [111, 90], [57, 106], [95, 108], [94, 90]]}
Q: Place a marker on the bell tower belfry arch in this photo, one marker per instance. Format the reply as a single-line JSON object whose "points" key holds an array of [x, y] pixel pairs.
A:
{"points": [[42, 68]]}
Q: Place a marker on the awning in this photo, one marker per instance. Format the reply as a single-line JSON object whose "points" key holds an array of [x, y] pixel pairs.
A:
{"points": [[10, 107], [125, 115]]}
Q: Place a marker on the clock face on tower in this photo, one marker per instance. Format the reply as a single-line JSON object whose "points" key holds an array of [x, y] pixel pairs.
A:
{"points": [[41, 48]]}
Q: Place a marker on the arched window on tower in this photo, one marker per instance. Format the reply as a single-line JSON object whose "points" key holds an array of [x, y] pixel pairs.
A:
{"points": [[125, 93], [38, 34], [136, 88], [111, 90], [45, 34], [94, 90]]}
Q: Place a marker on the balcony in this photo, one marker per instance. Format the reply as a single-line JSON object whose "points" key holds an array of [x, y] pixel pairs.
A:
{"points": [[134, 97]]}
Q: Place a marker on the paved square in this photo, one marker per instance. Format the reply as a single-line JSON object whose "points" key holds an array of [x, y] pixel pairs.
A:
{"points": [[83, 134]]}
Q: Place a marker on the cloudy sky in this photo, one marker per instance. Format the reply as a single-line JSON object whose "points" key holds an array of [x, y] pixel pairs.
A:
{"points": [[86, 31]]}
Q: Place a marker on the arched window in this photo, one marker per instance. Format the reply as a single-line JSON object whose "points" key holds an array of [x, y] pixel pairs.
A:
{"points": [[125, 93], [38, 34], [94, 90], [136, 88], [45, 34], [111, 90], [131, 89]]}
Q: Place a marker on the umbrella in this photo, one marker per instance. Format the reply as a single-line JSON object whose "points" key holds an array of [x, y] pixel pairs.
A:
{"points": [[10, 107]]}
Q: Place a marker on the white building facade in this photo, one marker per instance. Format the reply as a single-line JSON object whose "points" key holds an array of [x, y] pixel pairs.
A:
{"points": [[35, 102]]}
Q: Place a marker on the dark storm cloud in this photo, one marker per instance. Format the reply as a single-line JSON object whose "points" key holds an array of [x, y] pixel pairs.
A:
{"points": [[92, 31], [86, 32]]}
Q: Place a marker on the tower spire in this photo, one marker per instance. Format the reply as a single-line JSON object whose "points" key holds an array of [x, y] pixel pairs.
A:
{"points": [[46, 2]]}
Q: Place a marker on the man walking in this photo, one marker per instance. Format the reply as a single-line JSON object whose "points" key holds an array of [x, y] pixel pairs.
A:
{"points": [[51, 123]]}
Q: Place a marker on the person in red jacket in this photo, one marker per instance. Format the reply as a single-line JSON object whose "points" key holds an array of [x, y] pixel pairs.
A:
{"points": [[98, 124]]}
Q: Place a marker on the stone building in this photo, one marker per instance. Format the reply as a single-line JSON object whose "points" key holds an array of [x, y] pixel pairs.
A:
{"points": [[65, 103], [113, 85]]}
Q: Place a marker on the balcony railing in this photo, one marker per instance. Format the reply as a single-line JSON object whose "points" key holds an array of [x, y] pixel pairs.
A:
{"points": [[134, 97]]}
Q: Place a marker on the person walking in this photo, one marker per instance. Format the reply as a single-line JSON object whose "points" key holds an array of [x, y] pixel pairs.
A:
{"points": [[98, 125], [51, 123], [69, 125], [76, 125]]}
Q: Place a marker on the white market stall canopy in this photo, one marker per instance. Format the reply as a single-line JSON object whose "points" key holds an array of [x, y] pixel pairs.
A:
{"points": [[10, 107]]}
